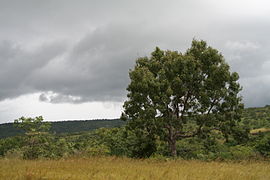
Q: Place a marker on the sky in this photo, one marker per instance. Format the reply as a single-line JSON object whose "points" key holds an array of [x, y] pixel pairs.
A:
{"points": [[70, 59]]}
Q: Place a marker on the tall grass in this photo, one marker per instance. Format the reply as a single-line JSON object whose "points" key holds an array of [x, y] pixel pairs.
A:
{"points": [[112, 168]]}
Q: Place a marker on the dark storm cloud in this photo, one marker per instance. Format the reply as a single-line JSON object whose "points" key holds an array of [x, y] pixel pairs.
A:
{"points": [[18, 64], [78, 51], [95, 69], [246, 48]]}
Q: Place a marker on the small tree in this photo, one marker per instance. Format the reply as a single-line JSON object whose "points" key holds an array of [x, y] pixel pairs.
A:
{"points": [[36, 131], [32, 125], [174, 96]]}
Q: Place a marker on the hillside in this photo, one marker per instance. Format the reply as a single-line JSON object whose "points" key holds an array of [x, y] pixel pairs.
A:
{"points": [[59, 127], [258, 117]]}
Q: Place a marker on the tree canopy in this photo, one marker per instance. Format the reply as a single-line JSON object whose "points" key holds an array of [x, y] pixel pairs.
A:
{"points": [[32, 125], [174, 95]]}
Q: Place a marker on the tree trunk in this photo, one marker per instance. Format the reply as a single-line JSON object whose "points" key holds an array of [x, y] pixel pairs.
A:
{"points": [[172, 142], [172, 146]]}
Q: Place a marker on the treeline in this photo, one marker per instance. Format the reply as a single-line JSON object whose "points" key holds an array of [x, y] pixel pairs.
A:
{"points": [[60, 127], [112, 137], [120, 141]]}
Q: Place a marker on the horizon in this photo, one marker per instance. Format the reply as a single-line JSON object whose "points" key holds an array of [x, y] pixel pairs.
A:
{"points": [[70, 120], [101, 119]]}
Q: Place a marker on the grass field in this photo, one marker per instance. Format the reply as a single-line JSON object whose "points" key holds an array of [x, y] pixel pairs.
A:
{"points": [[111, 168]]}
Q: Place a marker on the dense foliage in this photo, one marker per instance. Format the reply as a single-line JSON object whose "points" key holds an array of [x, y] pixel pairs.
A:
{"points": [[257, 117], [123, 142], [174, 96]]}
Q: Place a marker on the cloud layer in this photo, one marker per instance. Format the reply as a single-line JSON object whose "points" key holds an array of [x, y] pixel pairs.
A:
{"points": [[81, 51]]}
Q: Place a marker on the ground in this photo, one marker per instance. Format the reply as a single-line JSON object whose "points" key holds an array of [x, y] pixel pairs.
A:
{"points": [[103, 168]]}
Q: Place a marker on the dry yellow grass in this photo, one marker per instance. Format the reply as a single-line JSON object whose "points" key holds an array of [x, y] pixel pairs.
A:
{"points": [[260, 130], [111, 168]]}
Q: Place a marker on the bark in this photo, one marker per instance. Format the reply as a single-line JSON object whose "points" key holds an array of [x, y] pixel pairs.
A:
{"points": [[172, 142], [172, 146]]}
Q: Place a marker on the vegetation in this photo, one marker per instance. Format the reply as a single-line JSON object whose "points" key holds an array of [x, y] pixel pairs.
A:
{"points": [[100, 168], [60, 127], [32, 126], [123, 142], [173, 96], [256, 118]]}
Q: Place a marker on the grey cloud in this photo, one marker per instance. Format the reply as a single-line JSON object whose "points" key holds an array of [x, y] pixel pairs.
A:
{"points": [[103, 39], [52, 97], [242, 46], [249, 61], [96, 68], [257, 90], [17, 65]]}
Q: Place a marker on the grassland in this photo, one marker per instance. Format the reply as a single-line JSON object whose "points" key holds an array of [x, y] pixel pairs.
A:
{"points": [[111, 168]]}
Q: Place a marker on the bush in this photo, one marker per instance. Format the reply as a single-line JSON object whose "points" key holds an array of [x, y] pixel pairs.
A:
{"points": [[190, 149], [8, 144], [14, 154], [263, 146], [240, 152], [100, 150]]}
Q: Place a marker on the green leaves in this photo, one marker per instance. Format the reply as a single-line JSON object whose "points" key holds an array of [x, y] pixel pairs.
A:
{"points": [[32, 125], [171, 92]]}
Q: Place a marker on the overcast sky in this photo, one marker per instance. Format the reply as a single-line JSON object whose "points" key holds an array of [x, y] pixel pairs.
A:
{"points": [[66, 59]]}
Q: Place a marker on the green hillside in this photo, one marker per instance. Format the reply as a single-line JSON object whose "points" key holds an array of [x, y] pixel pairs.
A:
{"points": [[256, 118], [59, 127]]}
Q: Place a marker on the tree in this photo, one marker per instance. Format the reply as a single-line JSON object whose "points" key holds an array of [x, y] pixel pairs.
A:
{"points": [[32, 125], [37, 137], [174, 96]]}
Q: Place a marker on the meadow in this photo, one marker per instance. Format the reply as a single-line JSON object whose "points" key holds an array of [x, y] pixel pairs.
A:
{"points": [[114, 168]]}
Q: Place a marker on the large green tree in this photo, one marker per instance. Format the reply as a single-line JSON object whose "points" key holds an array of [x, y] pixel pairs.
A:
{"points": [[175, 95]]}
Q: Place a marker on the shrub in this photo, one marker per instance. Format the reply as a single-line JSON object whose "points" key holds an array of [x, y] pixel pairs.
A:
{"points": [[263, 146], [240, 152]]}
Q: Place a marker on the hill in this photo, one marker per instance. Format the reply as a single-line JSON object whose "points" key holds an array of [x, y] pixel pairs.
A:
{"points": [[257, 117], [59, 127]]}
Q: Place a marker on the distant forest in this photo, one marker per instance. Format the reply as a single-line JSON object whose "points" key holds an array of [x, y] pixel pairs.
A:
{"points": [[63, 127]]}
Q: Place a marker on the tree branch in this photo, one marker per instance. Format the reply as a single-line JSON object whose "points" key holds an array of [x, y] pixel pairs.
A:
{"points": [[185, 104]]}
